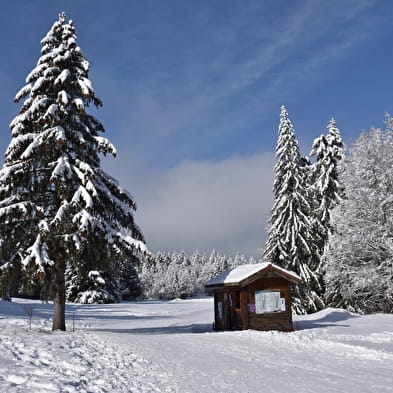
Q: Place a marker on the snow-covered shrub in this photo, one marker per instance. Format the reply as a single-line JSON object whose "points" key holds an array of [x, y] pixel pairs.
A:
{"points": [[101, 289]]}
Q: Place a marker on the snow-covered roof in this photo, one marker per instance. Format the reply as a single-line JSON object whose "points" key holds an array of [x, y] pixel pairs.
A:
{"points": [[240, 273]]}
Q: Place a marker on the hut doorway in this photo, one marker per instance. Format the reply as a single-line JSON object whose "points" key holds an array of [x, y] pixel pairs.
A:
{"points": [[228, 310]]}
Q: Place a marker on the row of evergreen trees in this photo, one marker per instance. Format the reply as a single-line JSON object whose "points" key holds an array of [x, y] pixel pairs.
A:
{"points": [[172, 275], [300, 222]]}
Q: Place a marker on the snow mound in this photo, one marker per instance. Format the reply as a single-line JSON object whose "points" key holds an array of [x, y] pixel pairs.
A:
{"points": [[331, 315]]}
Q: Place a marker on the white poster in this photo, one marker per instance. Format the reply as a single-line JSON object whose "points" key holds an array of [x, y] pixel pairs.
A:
{"points": [[267, 301]]}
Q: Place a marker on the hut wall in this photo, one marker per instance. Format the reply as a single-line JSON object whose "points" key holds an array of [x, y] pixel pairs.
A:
{"points": [[281, 320]]}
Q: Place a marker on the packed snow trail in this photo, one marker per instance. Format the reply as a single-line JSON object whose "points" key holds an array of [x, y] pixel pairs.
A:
{"points": [[168, 346], [74, 363], [39, 360]]}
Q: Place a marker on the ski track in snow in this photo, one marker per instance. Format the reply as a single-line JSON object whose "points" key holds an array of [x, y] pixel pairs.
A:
{"points": [[169, 347]]}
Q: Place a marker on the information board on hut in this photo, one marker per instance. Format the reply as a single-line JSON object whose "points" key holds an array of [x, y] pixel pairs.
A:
{"points": [[267, 301]]}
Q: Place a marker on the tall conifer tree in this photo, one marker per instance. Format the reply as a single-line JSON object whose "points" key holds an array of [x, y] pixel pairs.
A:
{"points": [[328, 151], [325, 191], [290, 240], [59, 210]]}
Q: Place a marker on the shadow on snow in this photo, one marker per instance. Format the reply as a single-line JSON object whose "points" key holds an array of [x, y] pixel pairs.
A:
{"points": [[328, 318], [175, 329]]}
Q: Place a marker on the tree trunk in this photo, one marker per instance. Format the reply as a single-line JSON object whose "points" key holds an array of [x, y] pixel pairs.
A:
{"points": [[59, 295]]}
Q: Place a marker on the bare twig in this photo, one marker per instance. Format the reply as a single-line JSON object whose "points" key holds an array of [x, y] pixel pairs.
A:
{"points": [[29, 310]]}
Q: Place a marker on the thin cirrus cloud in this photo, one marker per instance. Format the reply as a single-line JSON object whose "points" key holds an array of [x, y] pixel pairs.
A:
{"points": [[232, 84]]}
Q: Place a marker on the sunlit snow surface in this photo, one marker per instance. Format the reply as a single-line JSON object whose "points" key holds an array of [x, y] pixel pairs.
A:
{"points": [[168, 346]]}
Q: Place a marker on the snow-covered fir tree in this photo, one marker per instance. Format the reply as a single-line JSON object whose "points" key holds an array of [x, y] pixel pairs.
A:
{"points": [[291, 242], [359, 270], [328, 151], [180, 278], [325, 191], [153, 275], [59, 210], [197, 262]]}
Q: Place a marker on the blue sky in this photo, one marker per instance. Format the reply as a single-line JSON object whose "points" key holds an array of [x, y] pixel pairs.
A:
{"points": [[192, 94]]}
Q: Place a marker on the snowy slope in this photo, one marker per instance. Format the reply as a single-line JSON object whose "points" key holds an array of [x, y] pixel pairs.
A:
{"points": [[168, 346]]}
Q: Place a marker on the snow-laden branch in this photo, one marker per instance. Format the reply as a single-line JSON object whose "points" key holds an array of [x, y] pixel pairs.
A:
{"points": [[38, 254], [82, 194], [104, 146], [56, 134], [62, 170]]}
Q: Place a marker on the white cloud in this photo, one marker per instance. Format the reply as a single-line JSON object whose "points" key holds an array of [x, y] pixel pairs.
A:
{"points": [[203, 205]]}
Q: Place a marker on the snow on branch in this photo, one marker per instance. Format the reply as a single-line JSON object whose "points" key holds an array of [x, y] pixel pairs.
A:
{"points": [[104, 146], [43, 227], [61, 213], [115, 235], [78, 102], [38, 254], [83, 171], [90, 188], [17, 210], [62, 96], [45, 58], [10, 170], [64, 75], [62, 170], [125, 208], [17, 142], [62, 58], [77, 242], [38, 84], [10, 210], [82, 194], [56, 133], [86, 87], [38, 103], [51, 113], [23, 92], [84, 219]]}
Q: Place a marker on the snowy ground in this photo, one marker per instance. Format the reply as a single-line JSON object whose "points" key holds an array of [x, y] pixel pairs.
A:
{"points": [[169, 347]]}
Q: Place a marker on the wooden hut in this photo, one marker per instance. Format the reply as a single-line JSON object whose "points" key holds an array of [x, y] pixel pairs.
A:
{"points": [[253, 297]]}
